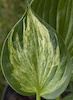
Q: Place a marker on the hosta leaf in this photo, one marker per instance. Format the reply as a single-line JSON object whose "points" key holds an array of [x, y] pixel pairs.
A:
{"points": [[65, 24], [35, 59], [68, 97]]}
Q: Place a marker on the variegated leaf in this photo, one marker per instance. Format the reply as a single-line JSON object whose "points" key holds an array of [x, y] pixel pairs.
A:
{"points": [[35, 59]]}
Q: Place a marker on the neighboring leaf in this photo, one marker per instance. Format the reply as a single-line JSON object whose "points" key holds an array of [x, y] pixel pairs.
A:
{"points": [[65, 24], [68, 97], [35, 59]]}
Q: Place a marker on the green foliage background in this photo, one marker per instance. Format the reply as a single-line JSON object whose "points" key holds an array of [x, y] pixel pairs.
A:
{"points": [[10, 12]]}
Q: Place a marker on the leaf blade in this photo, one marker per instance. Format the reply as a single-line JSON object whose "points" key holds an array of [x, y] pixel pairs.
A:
{"points": [[34, 51], [65, 24]]}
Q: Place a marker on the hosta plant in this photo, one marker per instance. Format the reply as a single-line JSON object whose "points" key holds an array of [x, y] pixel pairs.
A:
{"points": [[35, 59]]}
